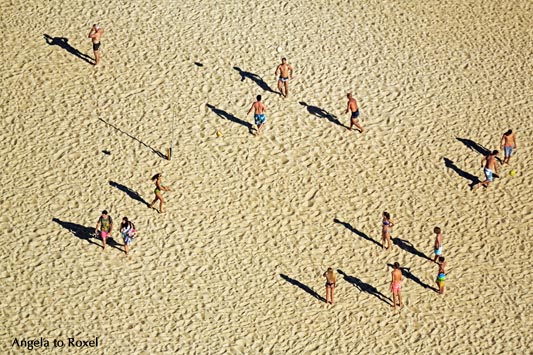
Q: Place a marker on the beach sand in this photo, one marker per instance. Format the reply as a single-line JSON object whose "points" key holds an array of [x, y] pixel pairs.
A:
{"points": [[235, 264]]}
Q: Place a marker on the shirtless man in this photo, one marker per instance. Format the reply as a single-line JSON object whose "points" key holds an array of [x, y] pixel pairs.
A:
{"points": [[437, 247], [285, 72], [441, 276], [354, 109], [490, 166], [508, 143], [396, 285], [259, 114], [95, 35]]}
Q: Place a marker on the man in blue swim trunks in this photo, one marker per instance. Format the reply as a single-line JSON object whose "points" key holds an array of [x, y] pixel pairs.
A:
{"points": [[508, 143], [354, 109], [490, 167], [285, 72], [259, 114]]}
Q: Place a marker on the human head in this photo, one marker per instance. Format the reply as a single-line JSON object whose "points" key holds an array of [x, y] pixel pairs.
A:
{"points": [[396, 265], [349, 95], [258, 97], [156, 176], [96, 27], [436, 230], [386, 215], [494, 152], [441, 259], [284, 60], [104, 213], [509, 132], [124, 220]]}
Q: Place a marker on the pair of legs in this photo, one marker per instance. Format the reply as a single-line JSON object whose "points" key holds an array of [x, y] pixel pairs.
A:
{"points": [[355, 122], [104, 236], [283, 84], [96, 50], [159, 197], [127, 242], [488, 179], [329, 294], [396, 296], [440, 284], [385, 237], [508, 152]]}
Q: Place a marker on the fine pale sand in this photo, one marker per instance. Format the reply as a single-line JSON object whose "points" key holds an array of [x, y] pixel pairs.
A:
{"points": [[235, 264]]}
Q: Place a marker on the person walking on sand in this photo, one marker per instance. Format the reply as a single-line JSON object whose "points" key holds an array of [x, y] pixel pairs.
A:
{"points": [[105, 226], [437, 248], [127, 229], [385, 231], [354, 109], [159, 188], [396, 285], [441, 276], [490, 167], [95, 35], [285, 72], [331, 283], [259, 114], [508, 143]]}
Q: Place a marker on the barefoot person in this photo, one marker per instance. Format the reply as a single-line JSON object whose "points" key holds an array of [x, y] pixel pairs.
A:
{"points": [[95, 35], [259, 114], [437, 248], [490, 166], [159, 188], [127, 229], [396, 285], [441, 276], [331, 282], [508, 143], [385, 231], [285, 73], [105, 226], [354, 109]]}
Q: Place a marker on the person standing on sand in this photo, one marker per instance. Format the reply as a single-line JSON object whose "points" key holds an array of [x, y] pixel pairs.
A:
{"points": [[159, 188], [95, 35], [441, 276], [354, 109], [331, 283], [396, 285], [490, 166], [105, 226], [285, 72], [127, 229], [437, 248], [508, 143], [385, 231], [259, 114]]}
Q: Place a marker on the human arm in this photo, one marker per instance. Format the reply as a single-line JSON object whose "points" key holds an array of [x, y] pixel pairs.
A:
{"points": [[347, 108], [502, 141], [277, 69], [91, 32], [250, 110]]}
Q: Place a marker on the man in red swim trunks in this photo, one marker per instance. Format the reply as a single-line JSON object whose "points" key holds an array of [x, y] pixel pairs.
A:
{"points": [[105, 225]]}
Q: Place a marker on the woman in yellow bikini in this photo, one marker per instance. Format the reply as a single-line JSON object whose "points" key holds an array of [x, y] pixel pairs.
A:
{"points": [[158, 189]]}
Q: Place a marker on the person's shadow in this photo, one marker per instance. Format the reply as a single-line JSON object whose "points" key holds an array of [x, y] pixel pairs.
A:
{"points": [[306, 288], [85, 233], [364, 287], [406, 271], [321, 113], [354, 230], [255, 78], [474, 180], [409, 247], [132, 194], [63, 43], [228, 116], [474, 146]]}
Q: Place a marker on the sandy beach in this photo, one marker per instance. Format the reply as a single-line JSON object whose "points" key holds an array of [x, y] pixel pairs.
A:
{"points": [[235, 264]]}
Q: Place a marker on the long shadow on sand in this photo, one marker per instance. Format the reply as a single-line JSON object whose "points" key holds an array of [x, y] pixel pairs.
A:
{"points": [[321, 113], [159, 154], [451, 165], [406, 271], [474, 146], [255, 78], [409, 247], [354, 230], [85, 233], [63, 43], [228, 116], [306, 288], [131, 193], [364, 287]]}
